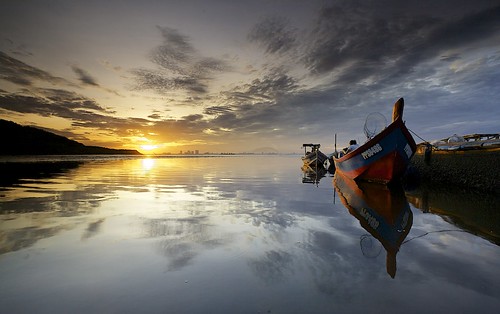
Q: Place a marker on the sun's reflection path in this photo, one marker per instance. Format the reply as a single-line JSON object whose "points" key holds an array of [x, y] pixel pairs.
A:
{"points": [[148, 164]]}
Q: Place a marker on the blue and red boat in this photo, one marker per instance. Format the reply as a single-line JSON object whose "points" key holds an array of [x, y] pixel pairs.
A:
{"points": [[385, 157]]}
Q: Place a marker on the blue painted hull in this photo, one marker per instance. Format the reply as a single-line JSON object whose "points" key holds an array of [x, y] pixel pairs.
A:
{"points": [[382, 159]]}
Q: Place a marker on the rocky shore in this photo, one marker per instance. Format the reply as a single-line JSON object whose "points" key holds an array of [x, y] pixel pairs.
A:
{"points": [[472, 169]]}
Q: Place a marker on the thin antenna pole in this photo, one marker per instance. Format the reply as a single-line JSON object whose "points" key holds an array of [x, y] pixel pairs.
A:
{"points": [[335, 144]]}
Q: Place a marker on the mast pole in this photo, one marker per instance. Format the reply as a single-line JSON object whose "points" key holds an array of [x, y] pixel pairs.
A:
{"points": [[335, 144]]}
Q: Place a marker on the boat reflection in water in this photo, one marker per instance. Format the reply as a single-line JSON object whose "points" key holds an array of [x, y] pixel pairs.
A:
{"points": [[381, 210], [311, 176]]}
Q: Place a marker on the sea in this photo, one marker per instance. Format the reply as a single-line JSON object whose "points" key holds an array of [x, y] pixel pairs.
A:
{"points": [[237, 234]]}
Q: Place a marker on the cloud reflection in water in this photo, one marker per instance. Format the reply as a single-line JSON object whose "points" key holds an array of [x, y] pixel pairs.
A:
{"points": [[219, 234]]}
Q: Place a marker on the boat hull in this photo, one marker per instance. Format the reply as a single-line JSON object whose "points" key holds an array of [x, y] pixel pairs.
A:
{"points": [[315, 160], [382, 159]]}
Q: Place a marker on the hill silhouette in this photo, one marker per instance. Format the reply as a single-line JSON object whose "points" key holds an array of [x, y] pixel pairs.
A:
{"points": [[265, 150], [27, 140]]}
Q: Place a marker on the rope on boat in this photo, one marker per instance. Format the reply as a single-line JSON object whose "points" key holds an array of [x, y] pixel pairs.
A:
{"points": [[418, 136], [427, 233]]}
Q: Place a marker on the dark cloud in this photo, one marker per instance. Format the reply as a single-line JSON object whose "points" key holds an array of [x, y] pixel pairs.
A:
{"points": [[176, 53], [354, 34], [193, 117], [346, 35], [472, 27], [273, 85], [84, 76], [16, 49], [274, 34], [55, 102], [162, 82], [71, 100], [180, 66], [154, 116], [20, 73], [216, 110]]}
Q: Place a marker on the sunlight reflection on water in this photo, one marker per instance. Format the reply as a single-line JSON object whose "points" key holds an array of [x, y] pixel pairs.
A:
{"points": [[225, 234]]}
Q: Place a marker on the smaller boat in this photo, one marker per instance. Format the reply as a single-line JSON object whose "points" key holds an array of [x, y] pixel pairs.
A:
{"points": [[314, 159], [384, 158]]}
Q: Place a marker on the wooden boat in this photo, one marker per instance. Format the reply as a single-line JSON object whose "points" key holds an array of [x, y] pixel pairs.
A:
{"points": [[382, 211], [313, 159], [385, 157]]}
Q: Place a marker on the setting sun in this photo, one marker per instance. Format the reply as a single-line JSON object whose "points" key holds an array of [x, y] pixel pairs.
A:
{"points": [[149, 147]]}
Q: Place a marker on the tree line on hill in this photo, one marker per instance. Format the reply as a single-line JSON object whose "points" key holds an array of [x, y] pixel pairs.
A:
{"points": [[27, 140]]}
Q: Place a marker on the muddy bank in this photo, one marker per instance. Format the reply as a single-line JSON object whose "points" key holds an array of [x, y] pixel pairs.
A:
{"points": [[474, 169]]}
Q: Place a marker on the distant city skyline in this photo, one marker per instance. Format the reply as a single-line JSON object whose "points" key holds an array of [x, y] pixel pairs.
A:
{"points": [[235, 76]]}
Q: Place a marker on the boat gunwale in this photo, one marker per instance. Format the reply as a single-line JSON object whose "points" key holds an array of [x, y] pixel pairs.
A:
{"points": [[395, 124]]}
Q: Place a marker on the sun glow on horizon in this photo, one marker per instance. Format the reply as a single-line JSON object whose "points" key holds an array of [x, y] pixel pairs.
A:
{"points": [[149, 147]]}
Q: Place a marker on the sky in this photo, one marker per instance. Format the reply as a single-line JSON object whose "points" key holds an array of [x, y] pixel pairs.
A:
{"points": [[244, 76]]}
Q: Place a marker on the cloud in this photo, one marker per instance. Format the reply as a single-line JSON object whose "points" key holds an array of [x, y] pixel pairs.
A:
{"points": [[27, 76], [267, 89], [155, 116], [84, 76], [273, 85], [274, 34], [16, 49], [107, 64], [175, 54], [469, 29], [162, 82], [20, 73], [179, 66], [353, 37], [217, 110], [347, 35], [55, 102]]}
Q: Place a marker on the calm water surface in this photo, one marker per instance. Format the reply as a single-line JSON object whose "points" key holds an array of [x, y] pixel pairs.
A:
{"points": [[237, 234]]}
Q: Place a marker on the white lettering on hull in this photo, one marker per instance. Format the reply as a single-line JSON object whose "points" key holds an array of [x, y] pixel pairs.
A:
{"points": [[375, 149]]}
